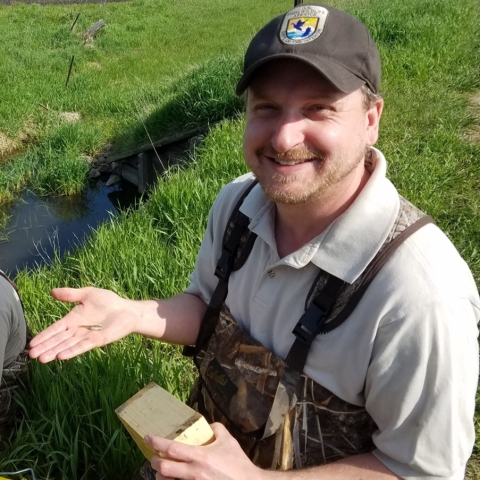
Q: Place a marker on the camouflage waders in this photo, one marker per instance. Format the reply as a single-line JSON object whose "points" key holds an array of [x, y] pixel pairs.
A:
{"points": [[240, 379], [282, 418]]}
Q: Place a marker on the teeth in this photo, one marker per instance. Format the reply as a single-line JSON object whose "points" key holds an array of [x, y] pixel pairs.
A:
{"points": [[289, 163]]}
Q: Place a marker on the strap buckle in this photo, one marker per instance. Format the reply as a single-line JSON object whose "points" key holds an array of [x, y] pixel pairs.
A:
{"points": [[224, 265], [310, 324]]}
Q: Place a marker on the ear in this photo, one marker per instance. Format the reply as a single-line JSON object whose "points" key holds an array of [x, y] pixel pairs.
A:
{"points": [[373, 120]]}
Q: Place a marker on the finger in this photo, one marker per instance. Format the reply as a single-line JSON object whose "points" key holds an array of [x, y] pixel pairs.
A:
{"points": [[72, 319], [158, 476], [161, 477], [66, 344], [170, 469], [51, 331], [68, 350], [67, 294], [219, 430], [171, 449]]}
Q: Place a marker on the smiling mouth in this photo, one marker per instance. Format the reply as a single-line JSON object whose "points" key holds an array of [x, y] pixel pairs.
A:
{"points": [[292, 162], [295, 156]]}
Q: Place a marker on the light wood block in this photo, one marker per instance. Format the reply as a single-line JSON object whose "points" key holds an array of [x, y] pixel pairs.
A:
{"points": [[154, 411]]}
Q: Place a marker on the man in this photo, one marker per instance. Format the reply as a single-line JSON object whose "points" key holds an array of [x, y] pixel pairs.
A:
{"points": [[13, 358], [387, 389]]}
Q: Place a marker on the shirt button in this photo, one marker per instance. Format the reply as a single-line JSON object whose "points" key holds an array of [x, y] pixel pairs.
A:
{"points": [[271, 273]]}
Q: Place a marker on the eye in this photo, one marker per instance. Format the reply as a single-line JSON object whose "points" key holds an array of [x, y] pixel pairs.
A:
{"points": [[264, 106], [318, 108], [319, 111], [263, 109]]}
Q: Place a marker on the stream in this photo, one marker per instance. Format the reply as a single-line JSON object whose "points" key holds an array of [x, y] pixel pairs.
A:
{"points": [[39, 228]]}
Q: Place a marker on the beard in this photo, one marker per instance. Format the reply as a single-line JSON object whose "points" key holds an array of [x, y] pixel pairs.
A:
{"points": [[328, 172]]}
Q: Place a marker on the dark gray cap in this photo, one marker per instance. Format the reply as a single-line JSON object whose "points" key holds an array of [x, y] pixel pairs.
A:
{"points": [[334, 43]]}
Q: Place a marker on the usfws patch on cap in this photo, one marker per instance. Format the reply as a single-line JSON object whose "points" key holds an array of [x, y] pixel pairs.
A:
{"points": [[303, 24]]}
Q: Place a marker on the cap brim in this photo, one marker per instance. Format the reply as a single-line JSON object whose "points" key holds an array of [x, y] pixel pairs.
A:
{"points": [[340, 77]]}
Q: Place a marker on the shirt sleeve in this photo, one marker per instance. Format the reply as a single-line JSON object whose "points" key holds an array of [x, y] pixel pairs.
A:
{"points": [[4, 326], [12, 325], [420, 390]]}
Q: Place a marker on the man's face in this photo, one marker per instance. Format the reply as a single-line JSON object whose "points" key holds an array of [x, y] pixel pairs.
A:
{"points": [[303, 137]]}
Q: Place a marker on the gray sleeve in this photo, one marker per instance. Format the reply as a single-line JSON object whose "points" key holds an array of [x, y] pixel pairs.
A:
{"points": [[12, 324]]}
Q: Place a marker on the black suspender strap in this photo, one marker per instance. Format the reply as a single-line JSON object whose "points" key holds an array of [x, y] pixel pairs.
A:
{"points": [[378, 262], [375, 265], [226, 264], [313, 320]]}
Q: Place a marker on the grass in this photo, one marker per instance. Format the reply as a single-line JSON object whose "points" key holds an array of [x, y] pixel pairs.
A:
{"points": [[56, 164], [69, 429], [429, 77], [104, 379], [118, 81]]}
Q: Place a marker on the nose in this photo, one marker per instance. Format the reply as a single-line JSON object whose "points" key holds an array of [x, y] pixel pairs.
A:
{"points": [[289, 133]]}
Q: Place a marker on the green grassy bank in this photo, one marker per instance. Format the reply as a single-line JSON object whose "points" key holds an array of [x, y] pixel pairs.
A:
{"points": [[117, 82], [431, 57]]}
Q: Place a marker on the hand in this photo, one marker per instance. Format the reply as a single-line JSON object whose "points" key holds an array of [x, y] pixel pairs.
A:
{"points": [[110, 314], [221, 460]]}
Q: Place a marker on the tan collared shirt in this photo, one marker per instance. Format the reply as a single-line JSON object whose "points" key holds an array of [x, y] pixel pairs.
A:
{"points": [[408, 352]]}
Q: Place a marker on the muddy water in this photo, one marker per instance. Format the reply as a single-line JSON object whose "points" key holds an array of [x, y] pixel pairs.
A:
{"points": [[39, 228]]}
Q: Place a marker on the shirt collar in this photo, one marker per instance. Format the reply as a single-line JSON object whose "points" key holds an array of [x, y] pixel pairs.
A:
{"points": [[351, 241]]}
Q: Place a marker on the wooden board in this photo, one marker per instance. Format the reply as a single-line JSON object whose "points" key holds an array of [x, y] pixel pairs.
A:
{"points": [[163, 142], [91, 31], [154, 411]]}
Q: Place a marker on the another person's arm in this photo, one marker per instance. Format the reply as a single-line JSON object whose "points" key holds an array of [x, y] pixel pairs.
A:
{"points": [[12, 325], [175, 320]]}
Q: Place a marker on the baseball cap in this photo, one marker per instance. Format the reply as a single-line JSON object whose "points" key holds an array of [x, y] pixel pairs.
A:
{"points": [[335, 43]]}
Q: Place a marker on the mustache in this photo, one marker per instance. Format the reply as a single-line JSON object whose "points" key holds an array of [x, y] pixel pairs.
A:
{"points": [[297, 154]]}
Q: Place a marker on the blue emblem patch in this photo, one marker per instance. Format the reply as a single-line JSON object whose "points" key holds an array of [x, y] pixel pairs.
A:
{"points": [[301, 27], [303, 24]]}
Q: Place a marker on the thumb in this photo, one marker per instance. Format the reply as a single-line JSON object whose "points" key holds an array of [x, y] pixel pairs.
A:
{"points": [[71, 295]]}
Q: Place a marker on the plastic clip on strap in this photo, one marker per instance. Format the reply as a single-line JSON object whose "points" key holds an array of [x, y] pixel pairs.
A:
{"points": [[311, 323]]}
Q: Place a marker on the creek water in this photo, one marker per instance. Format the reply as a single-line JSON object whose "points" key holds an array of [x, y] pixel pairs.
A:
{"points": [[39, 228]]}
